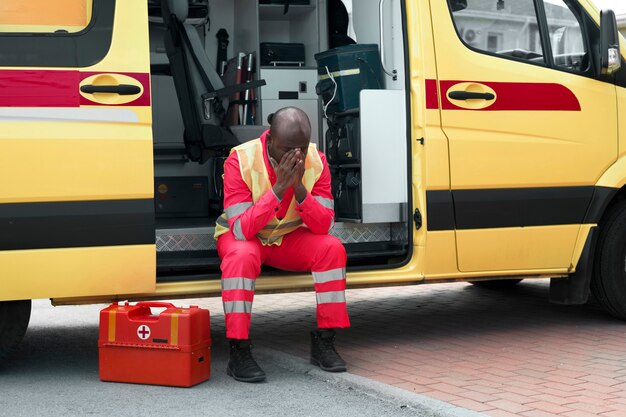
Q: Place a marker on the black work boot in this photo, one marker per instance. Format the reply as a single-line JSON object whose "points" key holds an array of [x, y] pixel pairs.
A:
{"points": [[241, 365], [323, 353]]}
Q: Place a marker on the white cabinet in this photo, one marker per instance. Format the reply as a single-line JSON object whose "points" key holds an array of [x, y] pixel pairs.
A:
{"points": [[308, 106], [286, 86], [294, 87]]}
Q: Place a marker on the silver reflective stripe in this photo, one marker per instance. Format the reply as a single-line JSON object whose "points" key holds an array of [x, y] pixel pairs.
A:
{"points": [[238, 307], [56, 114], [284, 225], [237, 230], [332, 224], [327, 276], [238, 284], [222, 222], [326, 202], [237, 209], [331, 297]]}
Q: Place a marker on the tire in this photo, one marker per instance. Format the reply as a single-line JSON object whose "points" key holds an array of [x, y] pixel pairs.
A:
{"points": [[497, 284], [14, 318], [608, 283]]}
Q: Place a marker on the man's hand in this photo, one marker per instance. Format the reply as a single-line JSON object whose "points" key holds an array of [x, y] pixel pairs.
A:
{"points": [[286, 172], [300, 190]]}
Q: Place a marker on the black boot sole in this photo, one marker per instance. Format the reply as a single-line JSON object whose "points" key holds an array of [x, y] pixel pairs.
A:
{"points": [[338, 368], [259, 378]]}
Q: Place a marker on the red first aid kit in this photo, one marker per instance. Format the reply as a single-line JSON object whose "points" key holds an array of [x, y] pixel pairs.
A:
{"points": [[172, 348]]}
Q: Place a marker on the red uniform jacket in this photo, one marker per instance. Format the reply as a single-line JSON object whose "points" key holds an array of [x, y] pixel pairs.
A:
{"points": [[316, 217]]}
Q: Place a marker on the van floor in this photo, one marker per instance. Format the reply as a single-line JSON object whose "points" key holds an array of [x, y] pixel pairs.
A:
{"points": [[186, 247]]}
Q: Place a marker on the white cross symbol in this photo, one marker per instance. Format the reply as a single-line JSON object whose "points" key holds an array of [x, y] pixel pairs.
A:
{"points": [[143, 332]]}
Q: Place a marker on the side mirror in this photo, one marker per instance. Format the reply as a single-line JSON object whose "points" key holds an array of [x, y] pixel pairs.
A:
{"points": [[610, 58]]}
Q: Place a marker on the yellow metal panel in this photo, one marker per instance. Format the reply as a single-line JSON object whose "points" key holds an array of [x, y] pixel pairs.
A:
{"points": [[440, 254], [516, 248], [580, 244], [430, 159], [526, 148], [77, 272], [75, 161], [131, 22], [615, 176], [621, 109]]}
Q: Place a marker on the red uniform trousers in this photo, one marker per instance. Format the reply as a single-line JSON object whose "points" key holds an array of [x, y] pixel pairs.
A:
{"points": [[301, 250]]}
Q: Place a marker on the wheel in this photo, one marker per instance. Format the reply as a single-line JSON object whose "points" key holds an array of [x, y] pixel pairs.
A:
{"points": [[498, 284], [608, 284], [14, 318]]}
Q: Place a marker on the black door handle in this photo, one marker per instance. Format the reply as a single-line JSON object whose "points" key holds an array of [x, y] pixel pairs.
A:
{"points": [[466, 95], [121, 89]]}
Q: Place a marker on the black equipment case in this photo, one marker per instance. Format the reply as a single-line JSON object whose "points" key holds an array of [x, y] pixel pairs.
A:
{"points": [[282, 54]]}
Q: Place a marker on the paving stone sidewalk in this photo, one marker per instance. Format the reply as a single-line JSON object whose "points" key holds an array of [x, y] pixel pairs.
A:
{"points": [[502, 353]]}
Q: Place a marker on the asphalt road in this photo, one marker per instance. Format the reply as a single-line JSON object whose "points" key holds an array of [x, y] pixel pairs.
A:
{"points": [[55, 373]]}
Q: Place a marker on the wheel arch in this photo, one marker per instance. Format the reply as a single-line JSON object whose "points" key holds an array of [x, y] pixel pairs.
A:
{"points": [[610, 190]]}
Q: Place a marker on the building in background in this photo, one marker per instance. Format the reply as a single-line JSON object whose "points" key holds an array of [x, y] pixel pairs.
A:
{"points": [[500, 26]]}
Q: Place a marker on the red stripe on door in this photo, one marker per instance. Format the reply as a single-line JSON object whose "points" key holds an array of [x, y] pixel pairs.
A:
{"points": [[36, 88], [52, 88], [520, 96], [432, 99]]}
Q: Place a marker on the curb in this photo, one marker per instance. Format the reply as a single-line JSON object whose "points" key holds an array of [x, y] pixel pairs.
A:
{"points": [[427, 407]]}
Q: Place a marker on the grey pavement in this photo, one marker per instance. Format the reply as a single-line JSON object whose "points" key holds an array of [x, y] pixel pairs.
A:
{"points": [[55, 373]]}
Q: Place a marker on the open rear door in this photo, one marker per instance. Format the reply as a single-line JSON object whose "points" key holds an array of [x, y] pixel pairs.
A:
{"points": [[76, 169]]}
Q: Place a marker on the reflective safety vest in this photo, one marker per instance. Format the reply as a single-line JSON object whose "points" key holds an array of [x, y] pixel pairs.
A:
{"points": [[255, 175]]}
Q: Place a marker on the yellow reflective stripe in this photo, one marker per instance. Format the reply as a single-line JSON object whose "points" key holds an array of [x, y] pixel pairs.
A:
{"points": [[174, 329], [272, 226], [112, 316], [254, 173], [342, 73]]}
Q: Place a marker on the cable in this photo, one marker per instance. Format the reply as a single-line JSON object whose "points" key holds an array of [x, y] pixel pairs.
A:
{"points": [[325, 106]]}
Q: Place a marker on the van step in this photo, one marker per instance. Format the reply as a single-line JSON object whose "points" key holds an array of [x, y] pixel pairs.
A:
{"points": [[185, 239]]}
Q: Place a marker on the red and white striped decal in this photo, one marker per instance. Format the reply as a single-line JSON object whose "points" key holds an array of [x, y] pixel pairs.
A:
{"points": [[57, 88], [511, 96]]}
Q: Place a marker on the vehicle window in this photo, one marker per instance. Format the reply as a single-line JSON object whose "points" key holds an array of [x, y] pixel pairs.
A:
{"points": [[566, 37], [505, 28], [44, 16], [59, 33]]}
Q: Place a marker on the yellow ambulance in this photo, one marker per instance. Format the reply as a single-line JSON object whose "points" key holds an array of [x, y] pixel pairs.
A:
{"points": [[490, 147]]}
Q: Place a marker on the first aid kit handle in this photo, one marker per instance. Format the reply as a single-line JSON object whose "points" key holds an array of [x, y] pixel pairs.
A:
{"points": [[155, 304]]}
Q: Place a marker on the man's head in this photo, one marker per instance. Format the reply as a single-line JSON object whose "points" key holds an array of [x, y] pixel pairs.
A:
{"points": [[290, 129]]}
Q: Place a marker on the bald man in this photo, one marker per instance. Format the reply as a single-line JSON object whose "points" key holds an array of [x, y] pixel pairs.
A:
{"points": [[278, 210]]}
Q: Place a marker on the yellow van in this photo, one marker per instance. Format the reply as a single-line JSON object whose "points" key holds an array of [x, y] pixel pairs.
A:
{"points": [[490, 149]]}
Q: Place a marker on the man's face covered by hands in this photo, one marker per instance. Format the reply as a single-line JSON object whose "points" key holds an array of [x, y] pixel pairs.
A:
{"points": [[289, 135]]}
